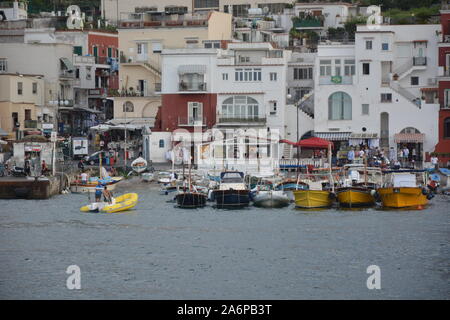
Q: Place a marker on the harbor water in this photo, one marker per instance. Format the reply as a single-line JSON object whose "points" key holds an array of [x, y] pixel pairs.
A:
{"points": [[158, 251]]}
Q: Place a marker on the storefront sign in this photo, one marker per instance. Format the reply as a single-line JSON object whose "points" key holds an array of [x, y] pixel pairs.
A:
{"points": [[32, 147]]}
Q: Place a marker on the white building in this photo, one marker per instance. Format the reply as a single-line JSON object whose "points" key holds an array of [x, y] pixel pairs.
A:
{"points": [[377, 90], [13, 10]]}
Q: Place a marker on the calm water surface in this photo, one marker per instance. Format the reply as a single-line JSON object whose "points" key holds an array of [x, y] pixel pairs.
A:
{"points": [[160, 252]]}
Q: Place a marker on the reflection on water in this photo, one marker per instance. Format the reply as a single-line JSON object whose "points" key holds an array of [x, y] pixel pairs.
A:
{"points": [[158, 251]]}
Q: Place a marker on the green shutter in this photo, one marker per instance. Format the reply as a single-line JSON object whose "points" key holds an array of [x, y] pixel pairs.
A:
{"points": [[78, 50]]}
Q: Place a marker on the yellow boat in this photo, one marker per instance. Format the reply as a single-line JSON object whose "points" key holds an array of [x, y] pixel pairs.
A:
{"points": [[355, 197], [402, 197], [313, 198], [121, 203]]}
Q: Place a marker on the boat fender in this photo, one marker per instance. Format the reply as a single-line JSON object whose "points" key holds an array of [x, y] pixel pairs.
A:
{"points": [[373, 192], [332, 195], [424, 191]]}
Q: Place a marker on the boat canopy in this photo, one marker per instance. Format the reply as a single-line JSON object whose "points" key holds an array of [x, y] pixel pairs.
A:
{"points": [[232, 176]]}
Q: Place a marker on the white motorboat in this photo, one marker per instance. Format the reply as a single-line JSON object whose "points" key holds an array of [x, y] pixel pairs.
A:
{"points": [[148, 176]]}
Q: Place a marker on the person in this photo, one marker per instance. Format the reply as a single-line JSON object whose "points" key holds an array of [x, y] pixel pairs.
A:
{"points": [[351, 155], [44, 168], [434, 161], [102, 144], [361, 153], [414, 154], [107, 195], [27, 167], [406, 153], [84, 177], [432, 185], [396, 164], [98, 191], [81, 165], [392, 154]]}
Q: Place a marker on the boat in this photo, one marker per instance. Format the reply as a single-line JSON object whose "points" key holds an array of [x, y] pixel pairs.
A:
{"points": [[78, 187], [317, 195], [402, 191], [357, 191], [139, 165], [148, 176], [189, 196], [232, 192], [264, 194], [121, 203]]}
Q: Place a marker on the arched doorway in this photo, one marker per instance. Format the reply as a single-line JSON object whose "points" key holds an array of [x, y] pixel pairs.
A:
{"points": [[414, 146]]}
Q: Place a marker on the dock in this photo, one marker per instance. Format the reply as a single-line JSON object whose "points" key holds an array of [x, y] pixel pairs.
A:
{"points": [[31, 187]]}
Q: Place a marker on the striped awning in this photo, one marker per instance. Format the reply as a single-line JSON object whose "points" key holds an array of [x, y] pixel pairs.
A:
{"points": [[409, 137], [364, 136], [192, 68], [333, 136]]}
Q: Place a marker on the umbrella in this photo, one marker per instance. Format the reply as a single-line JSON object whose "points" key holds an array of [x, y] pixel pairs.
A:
{"points": [[3, 142]]}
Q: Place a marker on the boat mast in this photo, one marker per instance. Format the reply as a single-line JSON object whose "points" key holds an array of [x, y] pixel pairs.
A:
{"points": [[329, 163]]}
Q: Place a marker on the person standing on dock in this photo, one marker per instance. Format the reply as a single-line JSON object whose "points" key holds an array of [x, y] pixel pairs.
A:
{"points": [[351, 155]]}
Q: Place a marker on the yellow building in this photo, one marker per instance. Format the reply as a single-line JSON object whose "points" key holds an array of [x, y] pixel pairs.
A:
{"points": [[20, 96], [142, 37]]}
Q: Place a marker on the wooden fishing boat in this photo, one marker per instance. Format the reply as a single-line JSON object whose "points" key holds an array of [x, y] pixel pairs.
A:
{"points": [[355, 196], [78, 187], [139, 165], [313, 198], [191, 199], [232, 192], [403, 191]]}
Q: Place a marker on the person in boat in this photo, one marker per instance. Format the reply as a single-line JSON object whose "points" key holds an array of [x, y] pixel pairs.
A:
{"points": [[107, 195], [98, 192]]}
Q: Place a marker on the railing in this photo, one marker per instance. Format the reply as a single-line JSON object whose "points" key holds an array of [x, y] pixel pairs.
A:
{"points": [[241, 119], [191, 121], [67, 74], [419, 61], [30, 124], [190, 86], [307, 23], [144, 20]]}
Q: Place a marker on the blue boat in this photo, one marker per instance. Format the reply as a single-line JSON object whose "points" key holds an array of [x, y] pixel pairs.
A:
{"points": [[232, 192]]}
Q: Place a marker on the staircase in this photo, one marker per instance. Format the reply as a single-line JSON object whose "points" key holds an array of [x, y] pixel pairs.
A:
{"points": [[152, 68], [394, 85], [306, 104], [409, 66], [287, 151]]}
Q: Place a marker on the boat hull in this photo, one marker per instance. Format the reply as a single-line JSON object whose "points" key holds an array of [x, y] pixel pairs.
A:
{"points": [[271, 199], [313, 199], [402, 197], [355, 197], [232, 199], [191, 200], [121, 203]]}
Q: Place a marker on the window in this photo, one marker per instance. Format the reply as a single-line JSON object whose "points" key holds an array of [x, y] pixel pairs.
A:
{"points": [[414, 81], [175, 10], [128, 106], [385, 46], [3, 65], [27, 114], [195, 111], [273, 76], [224, 76], [19, 88], [206, 4], [386, 97], [244, 59], [349, 67], [325, 67], [240, 10], [339, 106], [34, 87], [95, 51], [240, 107], [77, 73], [274, 8], [78, 50], [88, 73], [161, 143], [366, 68], [365, 109], [109, 52], [447, 128], [211, 44], [247, 75], [273, 107], [368, 44], [302, 73]]}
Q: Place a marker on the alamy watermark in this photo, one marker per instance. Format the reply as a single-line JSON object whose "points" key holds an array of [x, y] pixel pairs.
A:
{"points": [[374, 280], [74, 280]]}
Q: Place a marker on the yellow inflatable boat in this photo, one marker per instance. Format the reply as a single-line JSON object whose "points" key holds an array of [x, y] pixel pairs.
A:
{"points": [[121, 203]]}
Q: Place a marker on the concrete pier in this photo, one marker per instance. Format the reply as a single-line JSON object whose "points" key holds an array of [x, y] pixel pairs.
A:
{"points": [[30, 187]]}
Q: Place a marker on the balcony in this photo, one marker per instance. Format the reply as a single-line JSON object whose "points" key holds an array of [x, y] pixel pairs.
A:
{"points": [[335, 80], [147, 20], [192, 86], [30, 124], [67, 74], [241, 120], [191, 121], [419, 61], [97, 93], [308, 22]]}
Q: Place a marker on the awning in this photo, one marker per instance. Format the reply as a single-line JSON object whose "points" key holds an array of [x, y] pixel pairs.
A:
{"points": [[68, 64], [409, 137], [364, 136], [192, 68], [333, 136], [428, 89]]}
